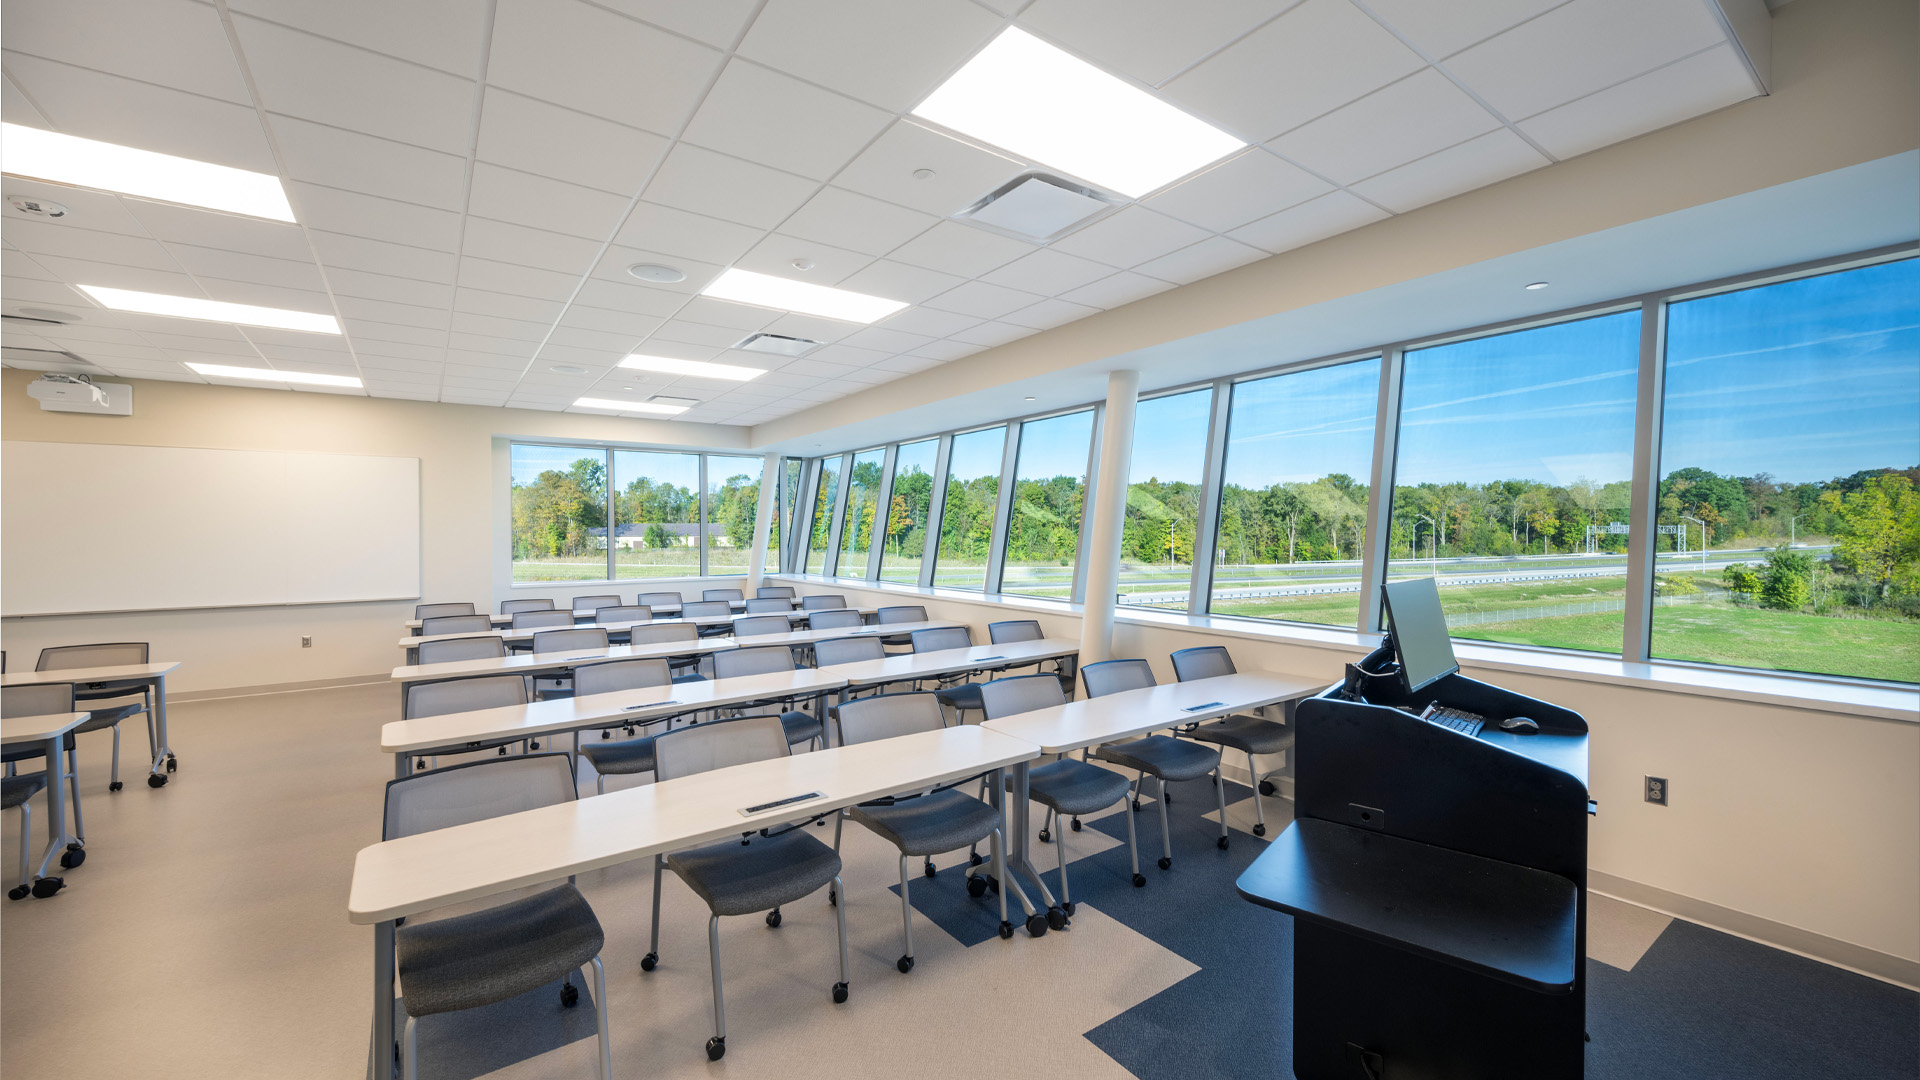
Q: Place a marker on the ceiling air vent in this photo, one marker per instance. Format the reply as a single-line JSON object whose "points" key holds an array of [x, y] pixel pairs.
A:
{"points": [[668, 399], [777, 344], [1037, 207], [47, 360]]}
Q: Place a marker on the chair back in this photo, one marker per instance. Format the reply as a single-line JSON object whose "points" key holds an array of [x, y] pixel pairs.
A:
{"points": [[523, 620], [1114, 676], [760, 660], [623, 613], [885, 716], [620, 675], [705, 609], [515, 607], [1014, 630], [903, 613], [662, 633], [106, 654], [43, 700], [718, 744], [784, 592], [474, 791], [761, 605], [820, 601], [1202, 662], [660, 599], [834, 619], [722, 594], [847, 650], [758, 625], [462, 648], [429, 611], [590, 604], [442, 696], [578, 637], [1020, 693], [455, 624], [942, 637]]}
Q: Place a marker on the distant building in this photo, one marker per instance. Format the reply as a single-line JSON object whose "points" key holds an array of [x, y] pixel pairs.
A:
{"points": [[683, 535]]}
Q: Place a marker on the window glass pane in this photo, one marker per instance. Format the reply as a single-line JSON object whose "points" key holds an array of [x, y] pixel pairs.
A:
{"points": [[856, 534], [821, 528], [1293, 496], [559, 513], [966, 517], [1049, 492], [907, 517], [656, 514], [1163, 499], [733, 499], [786, 496], [1790, 437], [1515, 466]]}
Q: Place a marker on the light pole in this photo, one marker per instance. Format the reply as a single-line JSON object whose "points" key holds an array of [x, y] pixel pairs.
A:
{"points": [[1433, 542], [1703, 540], [1791, 522]]}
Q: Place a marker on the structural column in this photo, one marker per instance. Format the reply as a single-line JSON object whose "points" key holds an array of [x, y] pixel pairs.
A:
{"points": [[770, 480], [1109, 513]]}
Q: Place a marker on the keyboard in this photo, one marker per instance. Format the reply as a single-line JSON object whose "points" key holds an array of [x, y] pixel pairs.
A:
{"points": [[1460, 720]]}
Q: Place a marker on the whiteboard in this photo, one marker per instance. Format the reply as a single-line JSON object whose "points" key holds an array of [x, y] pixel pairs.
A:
{"points": [[86, 527]]}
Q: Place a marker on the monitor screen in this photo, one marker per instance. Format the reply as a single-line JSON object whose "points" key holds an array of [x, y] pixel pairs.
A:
{"points": [[1420, 640]]}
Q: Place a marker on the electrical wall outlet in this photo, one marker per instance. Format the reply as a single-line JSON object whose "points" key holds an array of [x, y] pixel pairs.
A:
{"points": [[1657, 790], [306, 641]]}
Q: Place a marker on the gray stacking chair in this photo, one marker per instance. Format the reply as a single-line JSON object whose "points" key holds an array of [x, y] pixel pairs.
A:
{"points": [[1065, 787], [956, 692], [660, 599], [429, 611], [820, 601], [763, 605], [515, 607], [630, 755], [528, 620], [921, 824], [40, 701], [1248, 734], [777, 866], [455, 624], [441, 696], [835, 619], [572, 639], [723, 594], [468, 961], [901, 613], [761, 625], [1029, 630], [687, 666], [784, 592], [106, 703], [461, 648], [708, 609], [624, 613], [1160, 756], [587, 605], [847, 650], [761, 660]]}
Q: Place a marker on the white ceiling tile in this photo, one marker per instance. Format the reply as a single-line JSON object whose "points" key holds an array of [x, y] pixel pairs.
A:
{"points": [[386, 311], [806, 326], [1147, 40], [609, 346], [526, 281], [1311, 60], [530, 309], [185, 225], [702, 335], [633, 299], [953, 248], [862, 223], [1129, 237], [607, 320], [399, 355], [716, 22], [981, 300], [95, 210], [96, 105], [1121, 288], [116, 276], [703, 309], [1214, 255], [1476, 163], [686, 235], [372, 330], [1412, 118], [962, 172], [238, 266], [1048, 272], [445, 34], [351, 213], [901, 281], [991, 334], [71, 240], [906, 365], [615, 266], [946, 351], [533, 136], [299, 74], [716, 185], [19, 266], [591, 59], [382, 287], [927, 321], [1581, 47], [16, 109], [1697, 85], [380, 257], [880, 51], [1440, 30], [264, 295], [1238, 190], [761, 115], [850, 356], [776, 255], [870, 376], [1049, 313], [884, 339], [542, 203], [819, 369], [1317, 219], [168, 42], [391, 170], [504, 241]]}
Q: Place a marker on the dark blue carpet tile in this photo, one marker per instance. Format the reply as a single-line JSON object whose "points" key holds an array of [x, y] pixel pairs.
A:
{"points": [[474, 1043], [1702, 1004], [943, 900]]}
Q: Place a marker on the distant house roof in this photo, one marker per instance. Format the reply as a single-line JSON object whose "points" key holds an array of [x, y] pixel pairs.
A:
{"points": [[641, 530]]}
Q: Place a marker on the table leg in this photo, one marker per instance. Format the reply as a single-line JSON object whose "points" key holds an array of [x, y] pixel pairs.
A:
{"points": [[163, 761], [1005, 869], [56, 803], [400, 763], [1022, 860], [380, 1055]]}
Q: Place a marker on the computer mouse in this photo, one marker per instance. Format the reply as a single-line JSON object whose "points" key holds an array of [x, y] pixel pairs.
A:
{"points": [[1520, 725]]}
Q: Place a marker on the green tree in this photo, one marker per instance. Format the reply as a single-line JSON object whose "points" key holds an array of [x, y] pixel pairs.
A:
{"points": [[1879, 535], [1741, 581], [1785, 580], [658, 537]]}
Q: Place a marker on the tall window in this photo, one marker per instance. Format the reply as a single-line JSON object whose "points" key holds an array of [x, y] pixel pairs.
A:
{"points": [[1293, 496], [966, 518], [559, 513], [856, 532], [787, 496], [733, 500], [820, 530], [906, 524], [656, 514], [1163, 499], [1514, 481], [1789, 528], [1049, 494]]}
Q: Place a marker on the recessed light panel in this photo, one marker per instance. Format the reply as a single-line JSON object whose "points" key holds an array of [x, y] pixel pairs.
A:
{"points": [[783, 294], [310, 378], [629, 406], [188, 307], [670, 366], [778, 344], [64, 159], [1023, 95], [1036, 207]]}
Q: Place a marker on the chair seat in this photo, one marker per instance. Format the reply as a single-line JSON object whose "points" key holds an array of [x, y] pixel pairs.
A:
{"points": [[801, 727], [769, 872], [964, 696], [619, 758], [1162, 756], [1248, 734], [99, 719], [15, 790], [931, 824], [26, 751], [1075, 787], [467, 961], [695, 677]]}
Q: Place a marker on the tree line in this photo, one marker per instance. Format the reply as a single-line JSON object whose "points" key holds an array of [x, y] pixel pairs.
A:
{"points": [[555, 514]]}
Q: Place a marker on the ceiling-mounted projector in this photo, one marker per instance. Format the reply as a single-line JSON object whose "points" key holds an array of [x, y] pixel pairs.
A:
{"points": [[58, 392]]}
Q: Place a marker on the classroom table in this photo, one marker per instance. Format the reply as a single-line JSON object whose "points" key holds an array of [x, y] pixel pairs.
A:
{"points": [[1062, 729], [94, 678], [413, 625], [524, 635], [797, 638], [906, 667], [554, 662], [49, 731], [406, 876]]}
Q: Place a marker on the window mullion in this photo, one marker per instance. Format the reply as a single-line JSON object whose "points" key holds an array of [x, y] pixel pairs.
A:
{"points": [[936, 509], [997, 548], [1386, 439], [1206, 532], [1649, 401]]}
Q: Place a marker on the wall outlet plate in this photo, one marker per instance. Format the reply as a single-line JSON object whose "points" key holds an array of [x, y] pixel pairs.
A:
{"points": [[306, 641], [1656, 791]]}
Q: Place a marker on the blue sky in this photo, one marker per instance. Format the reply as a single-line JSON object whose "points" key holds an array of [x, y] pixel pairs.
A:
{"points": [[978, 453], [1056, 447]]}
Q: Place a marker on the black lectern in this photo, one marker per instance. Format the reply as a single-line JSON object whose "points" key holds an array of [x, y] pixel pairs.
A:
{"points": [[1437, 881]]}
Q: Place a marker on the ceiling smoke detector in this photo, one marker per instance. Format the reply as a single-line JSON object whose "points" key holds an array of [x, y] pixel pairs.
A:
{"points": [[1037, 207], [40, 208], [658, 273], [777, 344]]}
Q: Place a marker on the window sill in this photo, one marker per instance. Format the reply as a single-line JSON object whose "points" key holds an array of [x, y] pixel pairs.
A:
{"points": [[621, 583]]}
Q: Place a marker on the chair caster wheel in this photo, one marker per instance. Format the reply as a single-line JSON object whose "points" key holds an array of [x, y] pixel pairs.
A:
{"points": [[975, 859], [46, 887], [1046, 837], [1136, 805], [1167, 795], [649, 961], [1267, 788], [1139, 881], [1037, 925], [532, 746], [840, 992], [19, 892], [157, 780], [115, 786], [976, 887], [569, 995], [1221, 843], [1259, 830], [420, 765], [716, 1048], [1166, 863], [905, 964], [73, 856], [173, 763], [503, 751], [773, 919], [1056, 919], [1006, 930], [930, 870], [1069, 907], [606, 735], [1076, 824]]}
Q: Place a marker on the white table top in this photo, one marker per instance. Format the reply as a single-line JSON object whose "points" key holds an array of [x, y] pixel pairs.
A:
{"points": [[33, 729], [541, 663], [526, 633], [808, 637], [947, 661], [450, 731], [1092, 721], [418, 873], [111, 673], [505, 620]]}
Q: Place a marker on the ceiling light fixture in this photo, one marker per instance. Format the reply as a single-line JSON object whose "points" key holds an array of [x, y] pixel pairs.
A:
{"points": [[667, 365], [1022, 94], [64, 159], [657, 273], [629, 406], [783, 294], [222, 371], [566, 369], [1538, 285], [189, 307]]}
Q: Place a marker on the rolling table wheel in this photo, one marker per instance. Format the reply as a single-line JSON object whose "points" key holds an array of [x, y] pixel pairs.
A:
{"points": [[1037, 925], [1056, 919], [172, 763], [606, 734], [47, 886], [1046, 837], [420, 765], [716, 1048], [840, 993], [1266, 787], [649, 961], [976, 887], [1259, 830], [1076, 824], [930, 871], [1166, 863], [532, 746], [975, 858], [19, 892], [569, 995], [1136, 805], [1221, 843], [115, 786], [905, 964], [73, 856], [1006, 930], [1139, 881], [1069, 907], [773, 919], [157, 780]]}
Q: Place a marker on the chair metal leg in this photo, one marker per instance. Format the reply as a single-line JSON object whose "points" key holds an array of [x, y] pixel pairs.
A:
{"points": [[713, 956], [840, 912], [113, 783], [1166, 833], [26, 845], [410, 1051], [653, 942], [999, 849], [905, 963], [600, 1012], [73, 786], [1060, 849], [599, 783], [1259, 811], [1220, 789], [839, 819]]}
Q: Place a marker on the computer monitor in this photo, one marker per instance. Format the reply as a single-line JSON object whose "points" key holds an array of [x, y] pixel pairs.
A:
{"points": [[1420, 640]]}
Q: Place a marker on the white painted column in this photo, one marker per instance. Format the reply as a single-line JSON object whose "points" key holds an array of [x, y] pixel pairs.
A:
{"points": [[1109, 513], [763, 522]]}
